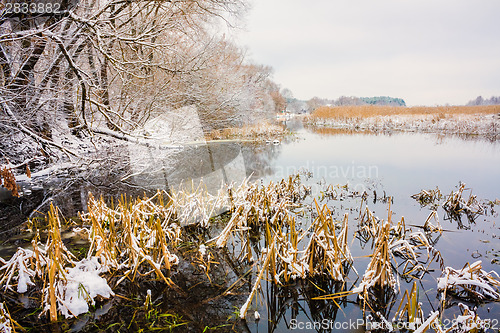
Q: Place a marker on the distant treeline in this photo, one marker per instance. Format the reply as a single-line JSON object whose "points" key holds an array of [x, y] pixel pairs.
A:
{"points": [[316, 102], [494, 100], [384, 100], [378, 100]]}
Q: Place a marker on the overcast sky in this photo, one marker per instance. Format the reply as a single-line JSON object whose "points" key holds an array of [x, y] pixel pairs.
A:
{"points": [[428, 52]]}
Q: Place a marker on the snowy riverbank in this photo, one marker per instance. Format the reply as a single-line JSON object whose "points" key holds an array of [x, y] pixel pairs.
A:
{"points": [[462, 124]]}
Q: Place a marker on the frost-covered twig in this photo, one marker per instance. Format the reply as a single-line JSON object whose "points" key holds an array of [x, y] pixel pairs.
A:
{"points": [[6, 325]]}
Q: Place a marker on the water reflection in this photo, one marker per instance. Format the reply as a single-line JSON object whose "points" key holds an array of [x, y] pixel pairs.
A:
{"points": [[406, 164], [120, 170]]}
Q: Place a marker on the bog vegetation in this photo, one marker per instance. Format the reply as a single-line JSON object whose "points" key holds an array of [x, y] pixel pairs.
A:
{"points": [[465, 121], [271, 237], [365, 111], [80, 86]]}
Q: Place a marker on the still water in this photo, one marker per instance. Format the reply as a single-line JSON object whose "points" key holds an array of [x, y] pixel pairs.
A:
{"points": [[397, 165]]}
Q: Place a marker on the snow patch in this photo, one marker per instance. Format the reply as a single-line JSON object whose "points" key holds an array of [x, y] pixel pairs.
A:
{"points": [[82, 285]]}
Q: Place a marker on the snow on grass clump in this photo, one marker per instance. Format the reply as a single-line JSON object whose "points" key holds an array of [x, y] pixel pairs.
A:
{"points": [[74, 289], [82, 285], [379, 271], [24, 266], [471, 282], [468, 321], [20, 263]]}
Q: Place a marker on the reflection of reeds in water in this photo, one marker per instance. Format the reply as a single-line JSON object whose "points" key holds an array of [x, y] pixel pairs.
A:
{"points": [[284, 299], [280, 299], [266, 267], [409, 249], [320, 307]]}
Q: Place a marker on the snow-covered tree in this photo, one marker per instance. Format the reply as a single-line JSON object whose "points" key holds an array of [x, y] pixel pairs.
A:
{"points": [[107, 66]]}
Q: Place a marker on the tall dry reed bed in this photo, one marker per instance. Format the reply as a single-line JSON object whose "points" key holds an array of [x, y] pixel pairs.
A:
{"points": [[460, 120], [272, 234], [367, 111]]}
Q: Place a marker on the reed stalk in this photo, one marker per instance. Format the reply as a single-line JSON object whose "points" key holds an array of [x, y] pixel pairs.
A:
{"points": [[265, 267], [379, 272], [429, 227], [58, 258], [410, 309]]}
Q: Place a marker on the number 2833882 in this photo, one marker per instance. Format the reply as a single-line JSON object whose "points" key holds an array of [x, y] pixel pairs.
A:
{"points": [[33, 8]]}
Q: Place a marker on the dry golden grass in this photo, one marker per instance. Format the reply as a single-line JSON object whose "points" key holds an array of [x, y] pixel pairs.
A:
{"points": [[250, 132], [365, 111], [7, 324], [137, 231]]}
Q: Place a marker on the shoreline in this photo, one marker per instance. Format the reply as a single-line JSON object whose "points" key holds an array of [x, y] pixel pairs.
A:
{"points": [[480, 125]]}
